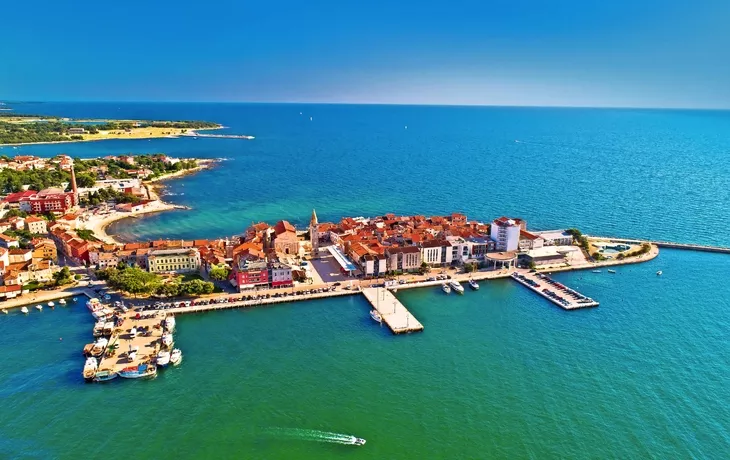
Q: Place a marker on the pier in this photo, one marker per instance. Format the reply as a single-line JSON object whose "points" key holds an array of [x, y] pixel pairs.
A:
{"points": [[562, 296], [669, 244], [146, 340], [218, 136], [394, 314]]}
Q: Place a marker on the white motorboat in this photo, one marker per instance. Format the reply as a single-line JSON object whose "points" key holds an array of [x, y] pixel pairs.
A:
{"points": [[167, 340], [5, 312], [94, 304], [39, 307], [170, 324], [176, 357], [51, 304], [90, 369], [62, 302], [445, 287], [108, 327], [456, 286], [596, 271], [376, 316], [474, 285], [611, 271], [99, 329], [24, 310], [99, 347], [74, 299], [107, 297], [358, 441], [163, 358], [659, 273]]}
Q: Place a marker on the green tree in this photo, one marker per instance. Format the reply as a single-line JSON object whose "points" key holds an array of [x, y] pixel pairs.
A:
{"points": [[85, 180], [63, 276], [425, 268], [169, 289], [219, 272], [15, 213]]}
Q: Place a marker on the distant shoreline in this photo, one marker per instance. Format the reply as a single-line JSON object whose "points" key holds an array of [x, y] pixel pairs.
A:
{"points": [[116, 137]]}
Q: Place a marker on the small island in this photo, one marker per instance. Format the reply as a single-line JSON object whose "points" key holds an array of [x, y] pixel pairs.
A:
{"points": [[16, 129]]}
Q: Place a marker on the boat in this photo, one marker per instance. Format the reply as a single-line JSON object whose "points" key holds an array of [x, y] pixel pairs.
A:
{"points": [[474, 285], [103, 314], [176, 357], [5, 312], [456, 286], [445, 287], [99, 347], [74, 299], [170, 324], [51, 304], [87, 349], [62, 302], [24, 310], [611, 271], [107, 297], [99, 329], [108, 327], [39, 307], [596, 271], [94, 304], [90, 369], [163, 358], [105, 376], [659, 273], [376, 316], [138, 372], [358, 441], [167, 340]]}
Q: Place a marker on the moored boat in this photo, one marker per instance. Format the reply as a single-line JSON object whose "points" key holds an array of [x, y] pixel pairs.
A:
{"points": [[99, 347], [87, 349], [105, 375], [5, 312], [24, 310], [176, 357], [94, 304], [138, 372], [74, 299], [596, 271], [163, 358], [659, 273], [90, 369], [376, 316], [51, 304], [474, 285], [456, 286], [108, 327], [445, 287], [98, 329], [39, 307], [62, 302], [170, 324], [611, 271], [167, 340]]}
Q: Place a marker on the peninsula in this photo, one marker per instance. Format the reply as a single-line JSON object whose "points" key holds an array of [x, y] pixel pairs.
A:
{"points": [[18, 129]]}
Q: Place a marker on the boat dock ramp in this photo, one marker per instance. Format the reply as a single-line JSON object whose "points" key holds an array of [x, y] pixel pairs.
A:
{"points": [[394, 314], [559, 294]]}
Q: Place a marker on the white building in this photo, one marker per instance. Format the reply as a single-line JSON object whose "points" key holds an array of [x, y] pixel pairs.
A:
{"points": [[436, 252], [460, 249], [556, 237], [505, 233]]}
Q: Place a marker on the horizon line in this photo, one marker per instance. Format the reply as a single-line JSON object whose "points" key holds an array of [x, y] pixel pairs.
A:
{"points": [[556, 106]]}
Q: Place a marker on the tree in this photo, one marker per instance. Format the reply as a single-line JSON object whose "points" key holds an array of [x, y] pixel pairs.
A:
{"points": [[470, 267], [219, 272], [196, 287], [85, 180], [169, 289], [63, 276], [15, 213], [425, 268]]}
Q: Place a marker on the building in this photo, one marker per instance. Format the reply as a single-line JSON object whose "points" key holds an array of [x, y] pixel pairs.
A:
{"points": [[285, 238], [436, 252], [314, 233], [280, 275], [373, 265], [251, 273], [460, 249], [52, 200], [547, 255], [44, 249], [36, 225], [173, 260], [76, 130], [505, 233], [529, 241], [8, 241], [403, 259], [13, 199], [20, 256], [556, 237]]}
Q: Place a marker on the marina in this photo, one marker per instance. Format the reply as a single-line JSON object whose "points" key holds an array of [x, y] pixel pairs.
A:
{"points": [[392, 312], [562, 296]]}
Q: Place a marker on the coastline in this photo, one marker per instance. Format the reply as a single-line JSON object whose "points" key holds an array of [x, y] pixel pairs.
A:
{"points": [[98, 224]]}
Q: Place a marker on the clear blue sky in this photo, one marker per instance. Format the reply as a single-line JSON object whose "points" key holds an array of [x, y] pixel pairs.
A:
{"points": [[645, 53]]}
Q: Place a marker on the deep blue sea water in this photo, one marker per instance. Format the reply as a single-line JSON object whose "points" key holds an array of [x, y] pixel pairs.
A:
{"points": [[498, 373]]}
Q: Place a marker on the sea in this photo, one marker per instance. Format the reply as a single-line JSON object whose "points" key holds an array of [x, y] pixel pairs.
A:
{"points": [[497, 373]]}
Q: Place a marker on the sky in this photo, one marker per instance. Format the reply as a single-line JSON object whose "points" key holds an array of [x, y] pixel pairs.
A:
{"points": [[618, 53]]}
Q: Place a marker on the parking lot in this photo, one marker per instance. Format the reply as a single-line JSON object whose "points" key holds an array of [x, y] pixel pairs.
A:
{"points": [[329, 269]]}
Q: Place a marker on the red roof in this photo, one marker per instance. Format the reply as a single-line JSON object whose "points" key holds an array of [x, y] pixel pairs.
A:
{"points": [[17, 196]]}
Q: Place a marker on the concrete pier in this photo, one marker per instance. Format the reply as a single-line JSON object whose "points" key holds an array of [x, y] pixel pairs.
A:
{"points": [[394, 314], [573, 300], [148, 344]]}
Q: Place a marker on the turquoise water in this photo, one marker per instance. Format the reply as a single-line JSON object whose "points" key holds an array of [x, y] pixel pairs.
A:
{"points": [[496, 373]]}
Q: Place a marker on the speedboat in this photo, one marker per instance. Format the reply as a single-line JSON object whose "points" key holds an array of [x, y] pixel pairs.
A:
{"points": [[51, 304], [358, 441], [105, 376], [176, 357], [659, 273], [62, 302], [74, 299], [24, 310], [376, 316], [39, 307], [90, 369], [5, 312], [163, 358], [474, 285], [611, 271], [456, 286], [138, 372], [445, 287], [170, 324], [596, 271]]}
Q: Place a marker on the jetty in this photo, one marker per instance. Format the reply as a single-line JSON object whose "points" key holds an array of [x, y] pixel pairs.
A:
{"points": [[557, 293], [669, 244], [219, 136], [142, 334], [394, 314]]}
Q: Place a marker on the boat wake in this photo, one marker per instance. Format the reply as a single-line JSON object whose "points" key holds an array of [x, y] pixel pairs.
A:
{"points": [[302, 434]]}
